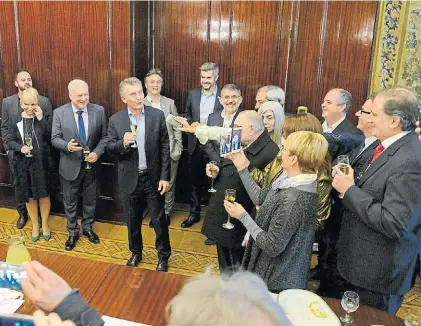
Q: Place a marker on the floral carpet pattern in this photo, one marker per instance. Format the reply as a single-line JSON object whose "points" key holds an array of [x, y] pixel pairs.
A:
{"points": [[397, 52]]}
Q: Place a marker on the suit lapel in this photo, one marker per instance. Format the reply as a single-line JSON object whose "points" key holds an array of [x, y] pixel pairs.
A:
{"points": [[147, 125], [72, 121], [216, 105], [164, 105], [340, 128], [91, 122]]}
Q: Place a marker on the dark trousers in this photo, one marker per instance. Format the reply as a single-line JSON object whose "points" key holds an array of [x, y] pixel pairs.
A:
{"points": [[197, 164], [229, 259], [20, 203], [134, 204], [84, 185]]}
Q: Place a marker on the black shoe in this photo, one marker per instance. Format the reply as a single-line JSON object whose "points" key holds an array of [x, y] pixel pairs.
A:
{"points": [[71, 242], [210, 242], [20, 224], [92, 236], [162, 265], [134, 260], [190, 221]]}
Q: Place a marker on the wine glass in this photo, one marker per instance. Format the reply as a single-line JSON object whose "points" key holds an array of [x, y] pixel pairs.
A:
{"points": [[350, 303], [413, 317], [229, 196], [343, 163], [214, 172], [133, 128], [28, 142], [86, 153]]}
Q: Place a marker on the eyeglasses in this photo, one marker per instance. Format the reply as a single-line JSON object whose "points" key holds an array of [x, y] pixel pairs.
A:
{"points": [[226, 98], [365, 112]]}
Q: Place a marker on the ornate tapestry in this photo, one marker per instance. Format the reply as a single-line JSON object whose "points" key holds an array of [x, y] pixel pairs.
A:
{"points": [[397, 52]]}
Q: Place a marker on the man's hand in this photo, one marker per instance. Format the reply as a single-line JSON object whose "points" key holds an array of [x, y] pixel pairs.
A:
{"points": [[195, 124], [38, 113], [163, 187], [25, 149], [234, 209], [183, 121], [129, 138], [208, 168], [73, 146], [92, 157], [418, 130], [239, 159], [342, 182], [40, 319], [44, 287]]}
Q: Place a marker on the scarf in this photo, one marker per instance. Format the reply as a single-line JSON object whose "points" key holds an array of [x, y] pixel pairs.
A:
{"points": [[284, 182]]}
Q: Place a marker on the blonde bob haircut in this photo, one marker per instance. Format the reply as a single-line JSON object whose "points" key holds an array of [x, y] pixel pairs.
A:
{"points": [[301, 122], [29, 94], [310, 149]]}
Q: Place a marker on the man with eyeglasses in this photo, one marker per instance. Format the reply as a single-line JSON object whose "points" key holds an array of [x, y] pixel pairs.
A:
{"points": [[359, 159]]}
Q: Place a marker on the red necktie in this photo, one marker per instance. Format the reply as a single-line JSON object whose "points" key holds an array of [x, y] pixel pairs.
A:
{"points": [[377, 152]]}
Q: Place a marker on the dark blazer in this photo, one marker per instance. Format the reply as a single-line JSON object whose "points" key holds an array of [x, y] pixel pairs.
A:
{"points": [[260, 153], [347, 126], [381, 226], [157, 148], [193, 112], [11, 113], [65, 129], [212, 146]]}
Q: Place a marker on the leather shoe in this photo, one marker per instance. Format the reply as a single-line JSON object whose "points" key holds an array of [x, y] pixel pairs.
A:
{"points": [[162, 265], [190, 221], [20, 224], [210, 242], [91, 236], [134, 260], [71, 242]]}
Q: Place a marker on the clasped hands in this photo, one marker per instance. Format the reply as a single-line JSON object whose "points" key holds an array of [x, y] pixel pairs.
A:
{"points": [[74, 146], [185, 126]]}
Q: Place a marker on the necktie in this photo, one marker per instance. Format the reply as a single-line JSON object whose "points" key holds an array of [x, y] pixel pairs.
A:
{"points": [[82, 132], [377, 152]]}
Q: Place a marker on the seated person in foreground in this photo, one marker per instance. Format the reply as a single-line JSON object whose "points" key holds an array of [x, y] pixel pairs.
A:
{"points": [[282, 234], [240, 300]]}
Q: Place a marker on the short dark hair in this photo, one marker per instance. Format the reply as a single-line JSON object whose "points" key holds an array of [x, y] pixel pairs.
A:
{"points": [[19, 71], [154, 71], [232, 87]]}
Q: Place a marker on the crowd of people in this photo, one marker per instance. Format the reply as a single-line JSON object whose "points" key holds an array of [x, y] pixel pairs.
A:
{"points": [[290, 190]]}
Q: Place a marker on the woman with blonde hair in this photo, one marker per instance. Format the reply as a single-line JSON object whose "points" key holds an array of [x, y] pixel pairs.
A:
{"points": [[29, 140], [281, 236]]}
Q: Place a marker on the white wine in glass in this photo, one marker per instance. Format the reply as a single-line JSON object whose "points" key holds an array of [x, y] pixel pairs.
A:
{"points": [[28, 142], [343, 163], [133, 128], [229, 196], [86, 153], [214, 173]]}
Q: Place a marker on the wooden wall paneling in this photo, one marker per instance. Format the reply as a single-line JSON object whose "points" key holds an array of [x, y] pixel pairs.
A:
{"points": [[284, 43], [256, 33], [184, 47], [347, 49], [304, 55]]}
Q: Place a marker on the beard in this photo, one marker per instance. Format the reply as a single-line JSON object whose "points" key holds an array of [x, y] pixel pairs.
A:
{"points": [[24, 87]]}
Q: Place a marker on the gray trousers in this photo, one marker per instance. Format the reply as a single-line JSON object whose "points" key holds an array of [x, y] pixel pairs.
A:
{"points": [[170, 194]]}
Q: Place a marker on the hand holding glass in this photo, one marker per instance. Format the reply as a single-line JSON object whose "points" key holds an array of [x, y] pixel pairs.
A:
{"points": [[133, 128], [229, 196], [86, 153], [350, 303], [28, 142], [214, 172], [343, 163]]}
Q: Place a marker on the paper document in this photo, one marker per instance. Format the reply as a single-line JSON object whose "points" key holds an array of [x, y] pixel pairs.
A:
{"points": [[111, 321]]}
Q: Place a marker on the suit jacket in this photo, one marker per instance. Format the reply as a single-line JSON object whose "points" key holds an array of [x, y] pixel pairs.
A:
{"points": [[175, 136], [193, 113], [260, 153], [212, 146], [157, 148], [347, 126], [381, 227], [65, 129], [11, 113]]}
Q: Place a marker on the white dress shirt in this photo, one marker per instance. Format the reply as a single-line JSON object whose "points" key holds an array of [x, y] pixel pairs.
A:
{"points": [[330, 129]]}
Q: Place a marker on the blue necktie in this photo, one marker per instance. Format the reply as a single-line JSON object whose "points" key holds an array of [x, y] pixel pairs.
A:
{"points": [[82, 132]]}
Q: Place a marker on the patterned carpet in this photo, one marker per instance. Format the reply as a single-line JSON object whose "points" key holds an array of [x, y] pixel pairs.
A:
{"points": [[189, 254]]}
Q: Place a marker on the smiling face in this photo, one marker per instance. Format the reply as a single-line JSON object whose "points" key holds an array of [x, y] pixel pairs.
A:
{"points": [[208, 80], [153, 85], [133, 96], [365, 118], [332, 111], [230, 100], [269, 120], [29, 105], [79, 96]]}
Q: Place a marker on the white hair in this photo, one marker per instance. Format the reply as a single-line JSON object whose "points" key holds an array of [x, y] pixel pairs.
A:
{"points": [[273, 93], [75, 83], [128, 81], [279, 117], [209, 300], [254, 119]]}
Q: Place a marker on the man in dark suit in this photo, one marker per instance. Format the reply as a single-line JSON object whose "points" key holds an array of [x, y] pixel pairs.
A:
{"points": [[381, 226], [79, 127], [143, 170], [335, 107], [260, 150], [201, 102], [331, 283], [10, 115]]}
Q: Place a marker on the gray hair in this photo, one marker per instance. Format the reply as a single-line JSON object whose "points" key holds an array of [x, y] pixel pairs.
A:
{"points": [[154, 71], [128, 81], [403, 103], [254, 119], [273, 93], [208, 66], [279, 116], [232, 87], [76, 82], [209, 300], [344, 97]]}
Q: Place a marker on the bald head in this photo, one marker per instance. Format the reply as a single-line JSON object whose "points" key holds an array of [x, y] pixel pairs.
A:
{"points": [[78, 93], [252, 124]]}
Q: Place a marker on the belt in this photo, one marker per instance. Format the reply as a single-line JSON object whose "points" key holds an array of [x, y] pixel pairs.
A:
{"points": [[144, 171]]}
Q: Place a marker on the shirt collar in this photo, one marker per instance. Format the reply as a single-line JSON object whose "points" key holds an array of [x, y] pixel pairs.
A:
{"points": [[132, 115], [332, 127], [369, 140], [85, 110], [232, 117], [389, 141], [213, 93]]}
